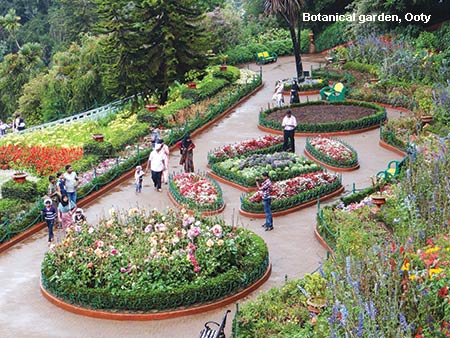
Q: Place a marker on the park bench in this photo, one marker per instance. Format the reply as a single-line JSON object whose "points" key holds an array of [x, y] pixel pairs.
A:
{"points": [[336, 92], [266, 57], [208, 332], [392, 170]]}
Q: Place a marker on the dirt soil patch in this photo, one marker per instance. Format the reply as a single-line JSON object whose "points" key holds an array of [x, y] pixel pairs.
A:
{"points": [[323, 113]]}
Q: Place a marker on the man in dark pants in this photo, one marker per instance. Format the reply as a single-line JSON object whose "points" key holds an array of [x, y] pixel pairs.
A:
{"points": [[266, 188], [289, 124]]}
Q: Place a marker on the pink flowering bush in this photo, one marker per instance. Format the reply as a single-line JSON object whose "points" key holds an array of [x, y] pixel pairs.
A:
{"points": [[138, 257], [196, 192], [264, 144], [332, 152]]}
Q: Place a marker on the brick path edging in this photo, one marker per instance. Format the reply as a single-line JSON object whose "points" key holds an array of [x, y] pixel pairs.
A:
{"points": [[204, 213], [333, 133]]}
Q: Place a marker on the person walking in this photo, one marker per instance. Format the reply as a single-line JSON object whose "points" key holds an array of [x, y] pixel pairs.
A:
{"points": [[18, 123], [165, 149], [71, 181], [138, 178], [265, 188], [279, 93], [294, 93], [156, 163], [52, 191], [49, 213], [65, 211], [289, 124], [187, 155]]}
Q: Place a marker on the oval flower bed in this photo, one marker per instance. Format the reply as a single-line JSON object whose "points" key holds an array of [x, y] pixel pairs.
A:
{"points": [[142, 260], [293, 192], [262, 145], [332, 153], [280, 166], [196, 192]]}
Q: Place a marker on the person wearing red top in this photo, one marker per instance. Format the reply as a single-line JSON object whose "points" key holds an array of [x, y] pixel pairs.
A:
{"points": [[265, 188]]}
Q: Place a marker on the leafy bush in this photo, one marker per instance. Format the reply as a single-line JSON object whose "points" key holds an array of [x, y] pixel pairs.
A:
{"points": [[26, 191], [157, 118], [102, 149], [331, 36], [361, 67]]}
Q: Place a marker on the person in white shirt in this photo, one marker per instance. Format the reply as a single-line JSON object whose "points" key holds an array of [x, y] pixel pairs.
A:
{"points": [[71, 182], [156, 163], [279, 93], [289, 124]]}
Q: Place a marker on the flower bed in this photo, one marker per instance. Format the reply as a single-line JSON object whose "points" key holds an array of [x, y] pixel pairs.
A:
{"points": [[262, 145], [293, 192], [142, 260], [280, 166], [332, 152], [196, 192]]}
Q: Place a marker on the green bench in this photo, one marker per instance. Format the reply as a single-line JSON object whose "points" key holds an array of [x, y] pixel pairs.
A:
{"points": [[392, 170], [266, 57], [332, 93]]}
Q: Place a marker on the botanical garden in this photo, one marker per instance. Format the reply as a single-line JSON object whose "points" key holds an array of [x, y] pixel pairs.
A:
{"points": [[367, 190]]}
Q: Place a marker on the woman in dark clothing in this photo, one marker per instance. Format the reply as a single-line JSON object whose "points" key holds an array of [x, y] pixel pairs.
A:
{"points": [[294, 93], [187, 155]]}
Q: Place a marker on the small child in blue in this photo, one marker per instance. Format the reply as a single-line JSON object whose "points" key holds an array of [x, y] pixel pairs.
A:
{"points": [[49, 213], [138, 177]]}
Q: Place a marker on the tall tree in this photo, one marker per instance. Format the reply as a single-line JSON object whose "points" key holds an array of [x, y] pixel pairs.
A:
{"points": [[291, 12], [11, 23]]}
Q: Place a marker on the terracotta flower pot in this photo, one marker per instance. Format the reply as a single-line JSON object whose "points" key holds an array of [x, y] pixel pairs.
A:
{"points": [[19, 177], [426, 119], [378, 200], [223, 67], [98, 137], [192, 85], [316, 304], [151, 107]]}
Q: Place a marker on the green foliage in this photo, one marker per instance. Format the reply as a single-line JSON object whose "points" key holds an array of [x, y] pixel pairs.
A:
{"points": [[158, 118], [335, 34], [102, 149], [427, 40], [26, 191], [361, 67]]}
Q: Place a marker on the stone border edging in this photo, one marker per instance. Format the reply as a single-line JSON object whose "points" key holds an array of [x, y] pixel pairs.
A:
{"points": [[293, 209], [322, 241], [204, 213], [332, 133], [234, 185], [307, 153], [302, 93], [155, 316], [390, 147]]}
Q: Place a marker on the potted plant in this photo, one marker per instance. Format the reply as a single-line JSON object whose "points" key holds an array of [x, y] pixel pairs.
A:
{"points": [[151, 107], [378, 198], [223, 60], [19, 174], [99, 137], [191, 78]]}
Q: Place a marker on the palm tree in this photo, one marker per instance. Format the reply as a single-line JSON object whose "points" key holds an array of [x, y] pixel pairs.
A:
{"points": [[290, 11], [11, 23]]}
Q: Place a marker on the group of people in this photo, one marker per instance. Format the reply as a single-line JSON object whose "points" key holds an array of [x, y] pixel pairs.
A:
{"points": [[278, 94], [17, 125], [60, 205], [158, 161]]}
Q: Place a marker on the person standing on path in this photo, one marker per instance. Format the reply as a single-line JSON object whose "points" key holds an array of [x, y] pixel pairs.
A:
{"points": [[65, 211], [294, 93], [156, 163], [138, 178], [289, 124], [165, 149], [187, 155], [279, 93], [49, 213], [265, 189], [71, 179]]}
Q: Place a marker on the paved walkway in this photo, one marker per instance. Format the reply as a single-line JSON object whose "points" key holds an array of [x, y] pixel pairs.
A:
{"points": [[293, 249]]}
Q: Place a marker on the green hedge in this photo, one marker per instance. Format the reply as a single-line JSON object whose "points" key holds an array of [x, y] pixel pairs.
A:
{"points": [[26, 191], [365, 122], [103, 149], [252, 268], [269, 150]]}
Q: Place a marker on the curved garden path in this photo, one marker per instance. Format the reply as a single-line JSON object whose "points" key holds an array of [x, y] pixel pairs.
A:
{"points": [[293, 249]]}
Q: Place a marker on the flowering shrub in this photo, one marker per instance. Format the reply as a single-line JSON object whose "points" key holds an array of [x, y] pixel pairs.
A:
{"points": [[264, 144], [196, 192], [332, 152], [280, 166], [143, 260], [42, 160], [294, 191]]}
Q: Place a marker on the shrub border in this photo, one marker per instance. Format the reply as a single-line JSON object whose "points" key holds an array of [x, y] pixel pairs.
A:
{"points": [[155, 316], [204, 213], [330, 167]]}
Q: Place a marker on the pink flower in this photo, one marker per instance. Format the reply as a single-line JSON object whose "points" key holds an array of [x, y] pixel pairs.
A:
{"points": [[114, 252]]}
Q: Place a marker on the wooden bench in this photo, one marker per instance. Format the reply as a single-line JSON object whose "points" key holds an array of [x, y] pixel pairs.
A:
{"points": [[392, 170], [266, 57], [217, 332], [332, 93]]}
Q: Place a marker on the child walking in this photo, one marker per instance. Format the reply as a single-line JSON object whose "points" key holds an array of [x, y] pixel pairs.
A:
{"points": [[138, 177], [49, 213]]}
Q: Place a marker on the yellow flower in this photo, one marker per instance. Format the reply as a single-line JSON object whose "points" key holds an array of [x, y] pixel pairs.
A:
{"points": [[405, 266], [431, 250], [412, 277], [435, 271]]}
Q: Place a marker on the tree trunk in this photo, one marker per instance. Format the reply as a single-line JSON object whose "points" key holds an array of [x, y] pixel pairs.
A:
{"points": [[298, 57]]}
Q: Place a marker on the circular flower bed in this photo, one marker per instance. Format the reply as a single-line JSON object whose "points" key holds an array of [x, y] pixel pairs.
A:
{"points": [[264, 144], [293, 192], [331, 152], [142, 260], [196, 192], [280, 166], [327, 117]]}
